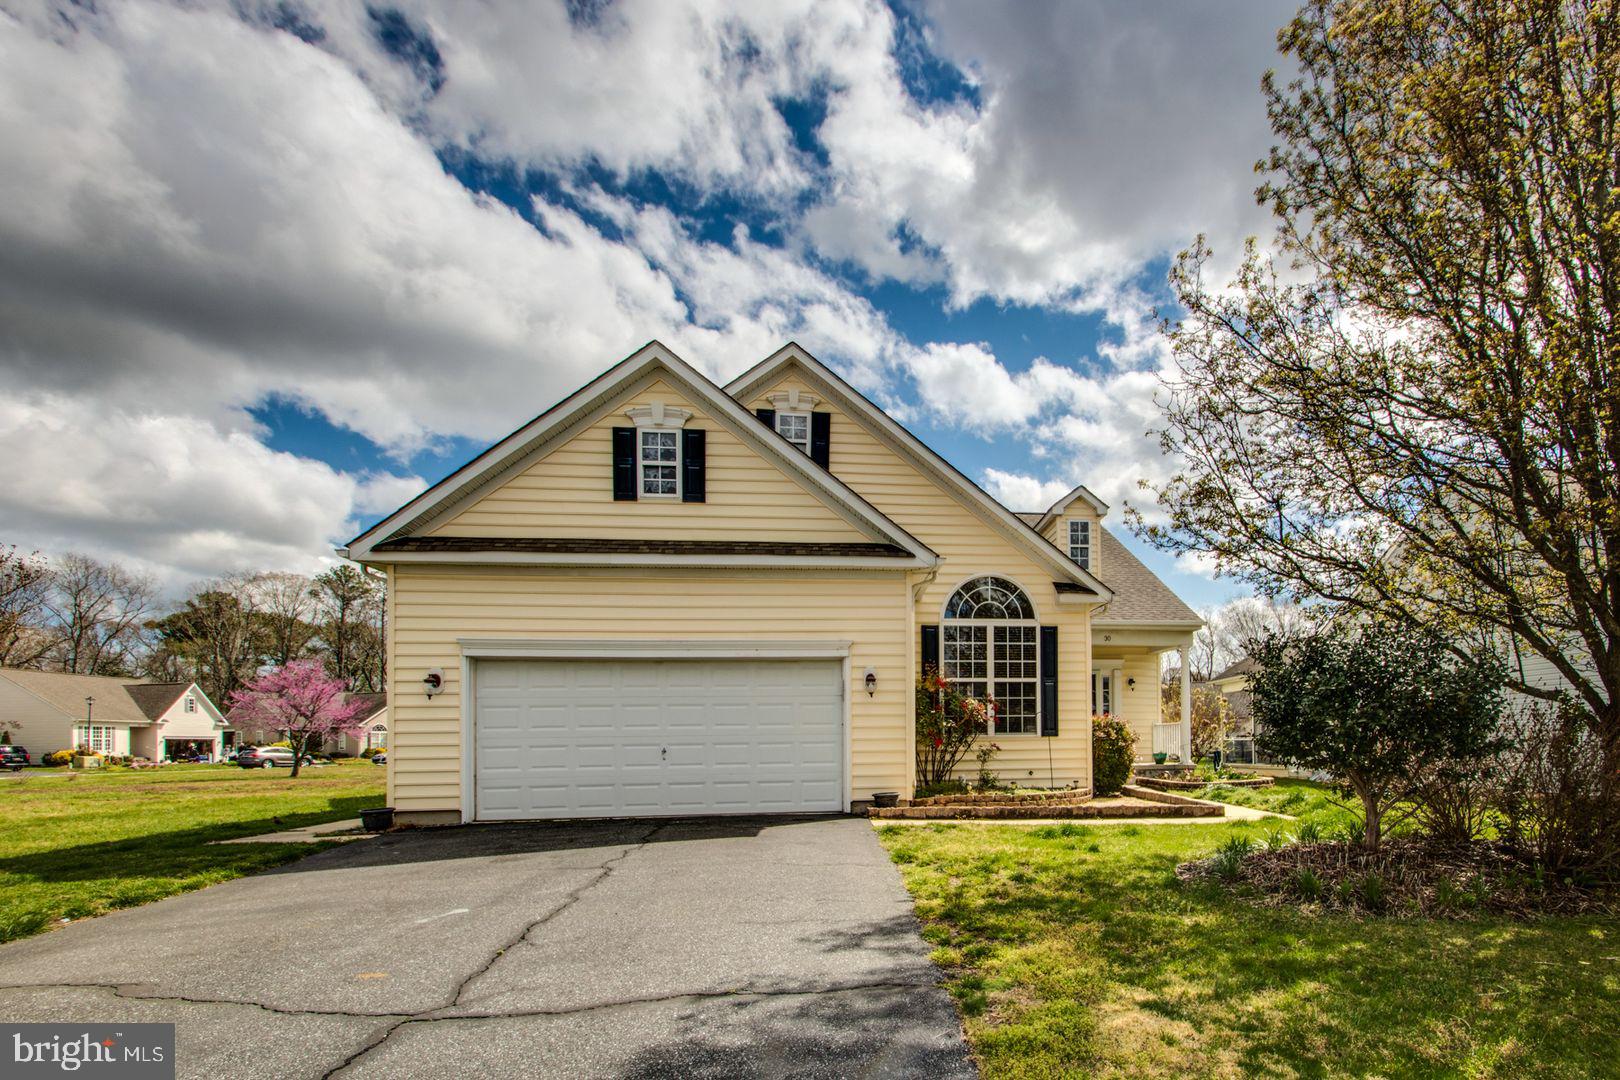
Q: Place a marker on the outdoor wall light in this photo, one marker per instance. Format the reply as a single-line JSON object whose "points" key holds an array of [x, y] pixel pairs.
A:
{"points": [[1130, 683], [871, 682], [433, 681]]}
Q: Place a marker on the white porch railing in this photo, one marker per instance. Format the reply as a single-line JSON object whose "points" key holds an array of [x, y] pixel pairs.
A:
{"points": [[1167, 740]]}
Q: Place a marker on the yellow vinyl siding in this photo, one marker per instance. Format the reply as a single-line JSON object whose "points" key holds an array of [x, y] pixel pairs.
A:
{"points": [[568, 493], [433, 606], [1057, 531], [969, 546]]}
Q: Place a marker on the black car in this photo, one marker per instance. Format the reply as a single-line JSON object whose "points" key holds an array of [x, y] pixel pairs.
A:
{"points": [[14, 758]]}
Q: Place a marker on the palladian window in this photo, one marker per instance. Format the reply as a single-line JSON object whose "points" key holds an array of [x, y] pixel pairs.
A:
{"points": [[989, 646]]}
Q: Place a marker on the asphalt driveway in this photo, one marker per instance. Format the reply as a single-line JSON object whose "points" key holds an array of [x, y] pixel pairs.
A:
{"points": [[725, 947]]}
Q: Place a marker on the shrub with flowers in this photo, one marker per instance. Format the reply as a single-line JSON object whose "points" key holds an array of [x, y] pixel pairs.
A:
{"points": [[947, 723]]}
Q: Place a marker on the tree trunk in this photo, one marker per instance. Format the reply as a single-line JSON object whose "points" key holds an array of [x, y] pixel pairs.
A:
{"points": [[297, 742]]}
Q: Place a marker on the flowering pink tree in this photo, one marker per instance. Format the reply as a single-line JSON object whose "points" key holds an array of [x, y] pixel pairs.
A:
{"points": [[302, 702]]}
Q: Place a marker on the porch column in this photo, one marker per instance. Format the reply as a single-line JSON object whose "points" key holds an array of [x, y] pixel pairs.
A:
{"points": [[1186, 708]]}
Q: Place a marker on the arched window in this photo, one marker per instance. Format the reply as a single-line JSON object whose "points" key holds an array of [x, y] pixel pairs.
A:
{"points": [[989, 647]]}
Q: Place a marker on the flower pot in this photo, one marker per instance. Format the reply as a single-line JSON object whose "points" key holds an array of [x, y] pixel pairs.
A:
{"points": [[885, 798], [378, 820], [1158, 759]]}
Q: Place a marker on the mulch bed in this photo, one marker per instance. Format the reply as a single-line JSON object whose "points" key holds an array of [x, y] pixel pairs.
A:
{"points": [[1195, 785], [1417, 878], [1001, 798]]}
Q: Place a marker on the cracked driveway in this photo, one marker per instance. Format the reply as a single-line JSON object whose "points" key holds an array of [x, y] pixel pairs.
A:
{"points": [[721, 947]]}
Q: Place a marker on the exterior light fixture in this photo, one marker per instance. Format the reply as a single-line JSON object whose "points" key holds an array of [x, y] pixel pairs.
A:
{"points": [[433, 681], [871, 682]]}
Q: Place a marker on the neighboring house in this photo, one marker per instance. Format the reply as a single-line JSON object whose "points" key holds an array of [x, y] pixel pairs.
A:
{"points": [[666, 597], [1233, 683], [373, 736], [158, 721]]}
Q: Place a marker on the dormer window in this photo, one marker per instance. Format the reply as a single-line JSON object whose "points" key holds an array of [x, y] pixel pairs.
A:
{"points": [[795, 428], [1080, 543]]}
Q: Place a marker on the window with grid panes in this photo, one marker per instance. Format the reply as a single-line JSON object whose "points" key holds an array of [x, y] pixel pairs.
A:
{"points": [[989, 646]]}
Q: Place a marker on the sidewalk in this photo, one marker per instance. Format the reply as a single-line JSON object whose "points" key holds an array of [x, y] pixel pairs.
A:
{"points": [[347, 829]]}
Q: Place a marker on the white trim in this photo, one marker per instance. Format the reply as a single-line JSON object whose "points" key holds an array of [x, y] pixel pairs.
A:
{"points": [[539, 558], [922, 456], [475, 649], [650, 358], [673, 465], [1078, 492], [793, 400], [945, 603], [631, 649], [658, 415], [776, 423]]}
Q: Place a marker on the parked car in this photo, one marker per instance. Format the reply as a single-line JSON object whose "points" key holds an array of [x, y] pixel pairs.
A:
{"points": [[268, 757], [14, 758], [380, 759]]}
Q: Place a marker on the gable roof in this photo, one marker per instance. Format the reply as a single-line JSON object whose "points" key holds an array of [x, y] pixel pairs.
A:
{"points": [[118, 701], [1245, 666], [375, 703], [1079, 491], [1139, 596], [561, 420], [924, 457], [155, 699]]}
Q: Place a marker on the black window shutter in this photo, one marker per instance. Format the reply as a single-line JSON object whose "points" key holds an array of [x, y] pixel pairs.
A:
{"points": [[821, 438], [1049, 688], [692, 466], [624, 464], [767, 417], [930, 648]]}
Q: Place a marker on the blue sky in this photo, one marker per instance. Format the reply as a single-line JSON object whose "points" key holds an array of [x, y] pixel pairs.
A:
{"points": [[288, 262]]}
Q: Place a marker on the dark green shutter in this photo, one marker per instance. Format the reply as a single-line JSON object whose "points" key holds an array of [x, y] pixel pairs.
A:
{"points": [[821, 438], [767, 417], [693, 470], [930, 648], [624, 464], [1049, 685]]}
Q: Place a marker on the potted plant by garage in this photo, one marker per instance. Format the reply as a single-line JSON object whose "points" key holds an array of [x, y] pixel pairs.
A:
{"points": [[377, 819], [882, 799], [1159, 758]]}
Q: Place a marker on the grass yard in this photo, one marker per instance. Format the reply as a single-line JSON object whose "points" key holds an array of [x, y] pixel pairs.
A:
{"points": [[80, 844], [1073, 951]]}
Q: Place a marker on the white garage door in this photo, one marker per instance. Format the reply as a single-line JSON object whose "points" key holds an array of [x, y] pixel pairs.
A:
{"points": [[645, 738]]}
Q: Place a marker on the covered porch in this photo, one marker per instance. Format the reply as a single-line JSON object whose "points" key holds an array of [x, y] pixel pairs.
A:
{"points": [[1126, 666]]}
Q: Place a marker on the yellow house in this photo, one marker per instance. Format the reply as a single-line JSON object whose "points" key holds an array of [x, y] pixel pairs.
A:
{"points": [[666, 597]]}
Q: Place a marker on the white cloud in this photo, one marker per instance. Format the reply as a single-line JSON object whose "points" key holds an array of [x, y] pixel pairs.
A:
{"points": [[1017, 491], [168, 494]]}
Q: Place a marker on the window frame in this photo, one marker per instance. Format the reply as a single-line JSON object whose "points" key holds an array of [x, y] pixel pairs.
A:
{"points": [[996, 652], [782, 415], [1076, 546], [642, 463], [191, 703]]}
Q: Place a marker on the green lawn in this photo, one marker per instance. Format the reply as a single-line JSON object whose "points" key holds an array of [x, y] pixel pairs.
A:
{"points": [[79, 844], [1073, 951]]}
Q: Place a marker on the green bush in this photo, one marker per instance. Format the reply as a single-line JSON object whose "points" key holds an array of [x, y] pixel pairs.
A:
{"points": [[285, 744], [1113, 749], [371, 751], [1307, 884], [58, 758]]}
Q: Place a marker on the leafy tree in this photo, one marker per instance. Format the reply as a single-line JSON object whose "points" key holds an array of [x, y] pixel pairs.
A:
{"points": [[947, 723], [302, 702], [1376, 706], [217, 636], [351, 604], [1417, 416]]}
